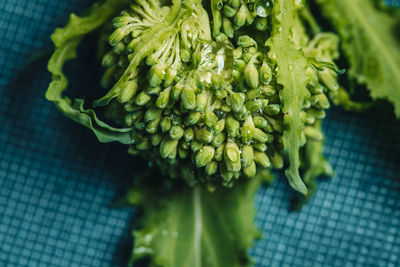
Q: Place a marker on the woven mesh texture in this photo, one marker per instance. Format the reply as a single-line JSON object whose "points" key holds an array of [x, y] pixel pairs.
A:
{"points": [[57, 181]]}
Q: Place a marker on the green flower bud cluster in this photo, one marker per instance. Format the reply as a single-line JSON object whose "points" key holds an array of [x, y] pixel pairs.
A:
{"points": [[236, 14], [202, 109]]}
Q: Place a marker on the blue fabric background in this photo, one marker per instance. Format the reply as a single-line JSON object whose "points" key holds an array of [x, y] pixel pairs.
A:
{"points": [[57, 181]]}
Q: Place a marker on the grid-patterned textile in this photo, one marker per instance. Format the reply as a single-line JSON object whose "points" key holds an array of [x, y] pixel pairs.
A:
{"points": [[57, 181]]}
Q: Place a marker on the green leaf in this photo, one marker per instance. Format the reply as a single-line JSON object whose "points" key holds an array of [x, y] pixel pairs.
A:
{"points": [[66, 41], [370, 40], [291, 67], [189, 226], [315, 165]]}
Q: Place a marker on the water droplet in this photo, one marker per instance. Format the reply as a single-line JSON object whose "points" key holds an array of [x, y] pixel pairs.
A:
{"points": [[263, 8]]}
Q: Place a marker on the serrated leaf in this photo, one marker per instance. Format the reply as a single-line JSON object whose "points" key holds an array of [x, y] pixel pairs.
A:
{"points": [[66, 41], [189, 226], [315, 165], [371, 42], [291, 67]]}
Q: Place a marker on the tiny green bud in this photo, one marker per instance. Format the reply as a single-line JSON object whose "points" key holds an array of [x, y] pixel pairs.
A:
{"points": [[109, 59], [232, 127], [317, 89], [245, 41], [329, 78], [241, 16], [265, 73], [227, 27], [117, 36], [165, 124], [251, 75], [232, 157], [153, 90], [277, 160], [188, 98], [132, 45], [210, 118], [251, 170], [250, 18], [170, 76], [237, 102], [176, 132], [306, 118], [176, 121], [229, 11], [188, 134], [183, 153], [226, 175], [128, 91], [262, 159], [236, 75], [221, 94], [260, 136], [272, 109], [119, 48], [240, 65], [204, 156], [156, 75], [203, 135], [237, 53], [132, 117], [247, 155], [176, 91], [218, 139], [196, 145], [313, 133], [219, 126], [168, 148], [260, 122], [143, 145], [234, 3], [247, 130], [313, 100], [253, 93], [201, 101], [152, 126], [121, 21], [107, 79], [142, 99], [226, 108], [312, 77], [152, 114], [193, 117], [253, 105], [268, 90], [152, 59], [262, 24], [275, 124], [163, 98], [260, 147], [156, 139], [211, 168], [185, 145], [317, 113], [219, 153], [323, 101]]}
